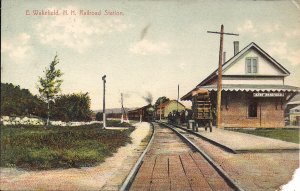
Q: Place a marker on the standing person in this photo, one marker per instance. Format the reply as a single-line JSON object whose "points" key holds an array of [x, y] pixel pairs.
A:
{"points": [[182, 117], [186, 113], [173, 116], [177, 117], [170, 117]]}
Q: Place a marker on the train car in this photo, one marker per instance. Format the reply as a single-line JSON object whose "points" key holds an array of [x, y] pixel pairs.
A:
{"points": [[141, 114], [202, 109]]}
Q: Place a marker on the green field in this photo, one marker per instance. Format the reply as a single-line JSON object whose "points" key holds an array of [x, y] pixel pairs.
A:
{"points": [[289, 135], [35, 148]]}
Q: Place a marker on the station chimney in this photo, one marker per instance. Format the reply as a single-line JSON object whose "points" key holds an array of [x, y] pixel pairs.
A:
{"points": [[235, 47]]}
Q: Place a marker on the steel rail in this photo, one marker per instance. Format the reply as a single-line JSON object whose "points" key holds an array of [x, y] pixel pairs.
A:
{"points": [[128, 181], [225, 148], [217, 167]]}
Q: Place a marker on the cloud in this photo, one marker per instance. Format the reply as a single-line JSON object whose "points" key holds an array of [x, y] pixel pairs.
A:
{"points": [[76, 32], [269, 28], [281, 50], [247, 27], [147, 47], [17, 48], [182, 65], [292, 33], [250, 28]]}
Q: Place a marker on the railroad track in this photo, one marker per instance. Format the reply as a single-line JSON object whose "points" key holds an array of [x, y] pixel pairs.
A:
{"points": [[172, 162]]}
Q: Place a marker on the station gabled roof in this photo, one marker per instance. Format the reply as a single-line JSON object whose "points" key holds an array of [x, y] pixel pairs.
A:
{"points": [[231, 61], [239, 54]]}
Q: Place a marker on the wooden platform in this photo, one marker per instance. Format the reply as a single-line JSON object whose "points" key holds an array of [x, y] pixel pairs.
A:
{"points": [[171, 165]]}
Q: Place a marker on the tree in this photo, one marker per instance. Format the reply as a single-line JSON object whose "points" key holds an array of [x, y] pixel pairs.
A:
{"points": [[16, 101], [99, 116], [160, 100], [72, 107], [49, 85]]}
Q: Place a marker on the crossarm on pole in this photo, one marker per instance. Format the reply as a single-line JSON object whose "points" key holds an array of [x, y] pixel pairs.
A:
{"points": [[223, 33]]}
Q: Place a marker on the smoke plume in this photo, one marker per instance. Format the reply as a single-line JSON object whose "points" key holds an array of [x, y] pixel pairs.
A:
{"points": [[148, 98]]}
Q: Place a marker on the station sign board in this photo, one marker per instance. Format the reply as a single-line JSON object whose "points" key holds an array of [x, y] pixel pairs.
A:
{"points": [[268, 94]]}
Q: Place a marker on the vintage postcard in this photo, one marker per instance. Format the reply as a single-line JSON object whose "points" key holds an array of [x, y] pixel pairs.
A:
{"points": [[150, 95]]}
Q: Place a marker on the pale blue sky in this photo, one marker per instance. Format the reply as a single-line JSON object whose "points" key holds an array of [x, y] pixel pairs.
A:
{"points": [[176, 49]]}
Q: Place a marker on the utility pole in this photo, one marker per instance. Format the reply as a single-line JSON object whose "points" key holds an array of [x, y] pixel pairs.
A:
{"points": [[160, 101], [104, 116], [177, 96], [122, 109], [219, 85], [122, 116]]}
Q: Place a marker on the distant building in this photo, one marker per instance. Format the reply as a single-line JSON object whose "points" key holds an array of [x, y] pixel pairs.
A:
{"points": [[295, 116], [167, 107], [293, 103], [253, 90]]}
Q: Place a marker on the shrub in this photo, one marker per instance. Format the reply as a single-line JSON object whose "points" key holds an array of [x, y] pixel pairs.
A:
{"points": [[72, 107], [99, 116]]}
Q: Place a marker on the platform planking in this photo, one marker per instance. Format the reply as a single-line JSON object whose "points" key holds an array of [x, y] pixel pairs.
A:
{"points": [[171, 165]]}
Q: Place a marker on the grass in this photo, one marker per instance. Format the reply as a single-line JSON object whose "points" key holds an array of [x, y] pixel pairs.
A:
{"points": [[37, 148], [289, 135]]}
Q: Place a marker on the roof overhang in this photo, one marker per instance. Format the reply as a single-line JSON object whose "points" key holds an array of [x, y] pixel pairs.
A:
{"points": [[253, 88], [245, 88], [188, 96]]}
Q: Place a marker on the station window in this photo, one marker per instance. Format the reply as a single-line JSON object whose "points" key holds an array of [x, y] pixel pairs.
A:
{"points": [[252, 109], [251, 65]]}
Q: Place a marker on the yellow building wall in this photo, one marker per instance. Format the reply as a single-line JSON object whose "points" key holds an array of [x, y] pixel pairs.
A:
{"points": [[171, 107]]}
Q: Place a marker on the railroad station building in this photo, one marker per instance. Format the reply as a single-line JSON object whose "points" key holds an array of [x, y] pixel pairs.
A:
{"points": [[254, 93]]}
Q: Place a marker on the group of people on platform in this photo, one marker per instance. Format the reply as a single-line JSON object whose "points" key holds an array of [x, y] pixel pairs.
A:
{"points": [[179, 117]]}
